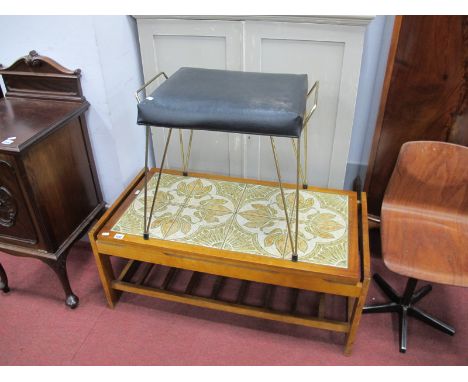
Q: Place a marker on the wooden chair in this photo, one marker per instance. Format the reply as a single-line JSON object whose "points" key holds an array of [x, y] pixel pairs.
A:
{"points": [[424, 227]]}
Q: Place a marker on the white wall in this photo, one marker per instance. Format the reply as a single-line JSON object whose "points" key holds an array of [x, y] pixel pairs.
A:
{"points": [[374, 62], [106, 49]]}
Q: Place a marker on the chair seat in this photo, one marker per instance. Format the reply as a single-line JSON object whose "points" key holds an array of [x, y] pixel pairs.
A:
{"points": [[424, 215], [431, 244], [228, 101]]}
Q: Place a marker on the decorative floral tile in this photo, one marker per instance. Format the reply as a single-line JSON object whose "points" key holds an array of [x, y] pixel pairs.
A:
{"points": [[332, 253], [216, 195], [311, 203], [132, 220], [258, 236], [307, 204], [163, 220], [323, 233], [244, 218], [200, 226], [173, 189], [333, 202], [261, 200]]}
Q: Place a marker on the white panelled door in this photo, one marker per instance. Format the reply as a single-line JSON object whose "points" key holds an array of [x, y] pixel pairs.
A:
{"points": [[167, 45], [329, 52]]}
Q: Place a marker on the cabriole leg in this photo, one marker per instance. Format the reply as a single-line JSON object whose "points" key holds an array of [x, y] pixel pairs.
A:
{"points": [[3, 280], [59, 266]]}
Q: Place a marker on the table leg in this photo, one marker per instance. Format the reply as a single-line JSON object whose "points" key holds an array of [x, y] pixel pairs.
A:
{"points": [[356, 317], [106, 274]]}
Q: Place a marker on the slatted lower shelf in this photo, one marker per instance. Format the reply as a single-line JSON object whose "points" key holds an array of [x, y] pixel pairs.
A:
{"points": [[214, 302]]}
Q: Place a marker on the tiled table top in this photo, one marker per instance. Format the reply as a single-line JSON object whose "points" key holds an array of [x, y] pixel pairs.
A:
{"points": [[246, 218]]}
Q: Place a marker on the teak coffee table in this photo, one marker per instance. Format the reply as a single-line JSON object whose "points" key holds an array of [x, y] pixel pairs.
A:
{"points": [[306, 239], [204, 224]]}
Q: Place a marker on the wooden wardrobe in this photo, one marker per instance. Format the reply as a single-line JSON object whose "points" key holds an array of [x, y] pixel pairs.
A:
{"points": [[424, 95]]}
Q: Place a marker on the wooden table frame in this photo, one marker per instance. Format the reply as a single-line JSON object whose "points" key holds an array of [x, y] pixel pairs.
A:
{"points": [[352, 282]]}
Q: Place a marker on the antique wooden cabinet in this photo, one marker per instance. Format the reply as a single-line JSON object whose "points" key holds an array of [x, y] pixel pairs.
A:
{"points": [[49, 190]]}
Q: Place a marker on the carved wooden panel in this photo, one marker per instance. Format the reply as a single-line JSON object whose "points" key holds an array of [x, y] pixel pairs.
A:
{"points": [[15, 220], [8, 208], [36, 76], [424, 95]]}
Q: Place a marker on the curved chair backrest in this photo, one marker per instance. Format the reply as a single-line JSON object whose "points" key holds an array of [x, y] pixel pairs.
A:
{"points": [[424, 216]]}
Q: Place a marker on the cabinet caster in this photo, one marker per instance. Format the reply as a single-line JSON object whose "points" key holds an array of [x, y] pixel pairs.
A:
{"points": [[72, 301]]}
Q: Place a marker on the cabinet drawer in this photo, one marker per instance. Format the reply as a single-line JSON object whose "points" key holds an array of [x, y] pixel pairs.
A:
{"points": [[16, 226]]}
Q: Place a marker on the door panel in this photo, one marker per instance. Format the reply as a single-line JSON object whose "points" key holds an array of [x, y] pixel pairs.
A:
{"points": [[322, 61], [330, 54], [168, 45]]}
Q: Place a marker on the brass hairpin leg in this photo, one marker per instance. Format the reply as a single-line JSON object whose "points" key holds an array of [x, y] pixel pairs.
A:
{"points": [[304, 170], [302, 173], [185, 157], [148, 131], [278, 173], [306, 183], [147, 226], [189, 151], [298, 167]]}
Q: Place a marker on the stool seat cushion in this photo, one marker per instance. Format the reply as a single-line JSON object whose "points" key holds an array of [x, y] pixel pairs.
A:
{"points": [[229, 101]]}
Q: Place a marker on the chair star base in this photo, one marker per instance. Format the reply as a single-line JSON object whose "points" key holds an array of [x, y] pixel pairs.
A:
{"points": [[404, 306]]}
